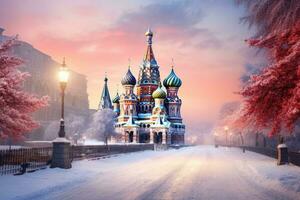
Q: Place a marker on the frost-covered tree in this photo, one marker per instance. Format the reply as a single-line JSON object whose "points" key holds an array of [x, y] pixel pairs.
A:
{"points": [[272, 98], [16, 106], [74, 125], [228, 114], [102, 125], [239, 133]]}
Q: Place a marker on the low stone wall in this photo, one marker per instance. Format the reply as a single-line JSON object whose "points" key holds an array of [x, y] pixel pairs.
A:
{"points": [[294, 157], [90, 151], [265, 151], [22, 160]]}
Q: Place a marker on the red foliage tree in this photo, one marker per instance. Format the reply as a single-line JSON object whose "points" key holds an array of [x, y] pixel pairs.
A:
{"points": [[15, 104], [272, 98]]}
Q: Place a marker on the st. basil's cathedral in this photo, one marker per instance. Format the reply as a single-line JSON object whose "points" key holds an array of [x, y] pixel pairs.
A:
{"points": [[151, 115]]}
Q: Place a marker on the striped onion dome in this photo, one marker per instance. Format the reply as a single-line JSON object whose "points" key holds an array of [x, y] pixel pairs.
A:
{"points": [[128, 79], [159, 93], [172, 80], [117, 98]]}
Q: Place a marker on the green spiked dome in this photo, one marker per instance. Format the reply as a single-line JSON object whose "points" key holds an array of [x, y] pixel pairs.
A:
{"points": [[159, 94], [116, 99], [172, 80]]}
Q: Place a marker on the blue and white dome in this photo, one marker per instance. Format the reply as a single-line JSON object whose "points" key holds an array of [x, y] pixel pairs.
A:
{"points": [[172, 80], [128, 79]]}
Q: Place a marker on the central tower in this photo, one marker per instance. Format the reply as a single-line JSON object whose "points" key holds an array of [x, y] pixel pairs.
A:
{"points": [[148, 80]]}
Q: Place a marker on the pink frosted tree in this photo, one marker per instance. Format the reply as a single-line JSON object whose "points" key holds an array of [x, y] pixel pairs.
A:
{"points": [[272, 98], [16, 106]]}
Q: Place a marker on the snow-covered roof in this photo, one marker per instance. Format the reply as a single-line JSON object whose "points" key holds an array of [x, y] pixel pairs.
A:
{"points": [[160, 122], [144, 115], [148, 121], [130, 122]]}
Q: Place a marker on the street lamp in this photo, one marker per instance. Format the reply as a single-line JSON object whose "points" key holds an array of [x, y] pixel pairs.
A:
{"points": [[230, 139], [215, 139], [226, 132], [63, 80]]}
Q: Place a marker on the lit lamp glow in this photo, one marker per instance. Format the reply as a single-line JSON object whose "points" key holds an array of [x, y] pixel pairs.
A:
{"points": [[63, 74]]}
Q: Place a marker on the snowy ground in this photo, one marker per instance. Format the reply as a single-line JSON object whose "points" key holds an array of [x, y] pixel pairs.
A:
{"points": [[190, 173]]}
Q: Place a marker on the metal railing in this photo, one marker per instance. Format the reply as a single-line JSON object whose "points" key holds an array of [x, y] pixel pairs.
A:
{"points": [[294, 157], [19, 161]]}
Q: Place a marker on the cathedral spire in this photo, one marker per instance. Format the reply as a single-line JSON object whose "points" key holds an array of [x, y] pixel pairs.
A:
{"points": [[149, 73], [148, 80], [105, 101], [149, 56]]}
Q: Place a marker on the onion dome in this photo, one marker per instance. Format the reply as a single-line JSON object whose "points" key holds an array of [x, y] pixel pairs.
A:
{"points": [[116, 99], [159, 94], [128, 79], [172, 80]]}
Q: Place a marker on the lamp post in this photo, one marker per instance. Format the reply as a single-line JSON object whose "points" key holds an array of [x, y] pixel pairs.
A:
{"points": [[230, 139], [226, 132], [215, 139], [61, 146], [63, 80]]}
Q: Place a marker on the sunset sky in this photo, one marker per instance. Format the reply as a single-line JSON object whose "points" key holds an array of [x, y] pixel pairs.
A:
{"points": [[205, 38]]}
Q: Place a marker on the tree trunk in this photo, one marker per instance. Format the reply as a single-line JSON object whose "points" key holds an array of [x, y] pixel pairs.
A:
{"points": [[9, 142], [242, 138], [256, 139], [106, 144], [265, 142], [280, 139], [242, 141]]}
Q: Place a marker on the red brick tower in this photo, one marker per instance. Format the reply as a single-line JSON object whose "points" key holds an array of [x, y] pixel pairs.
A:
{"points": [[148, 81]]}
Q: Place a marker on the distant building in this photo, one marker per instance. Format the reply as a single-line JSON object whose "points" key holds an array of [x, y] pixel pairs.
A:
{"points": [[152, 115], [43, 81]]}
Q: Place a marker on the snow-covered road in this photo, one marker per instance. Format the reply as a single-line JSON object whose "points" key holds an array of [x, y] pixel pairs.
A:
{"points": [[190, 173]]}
